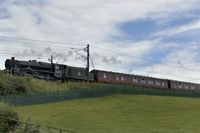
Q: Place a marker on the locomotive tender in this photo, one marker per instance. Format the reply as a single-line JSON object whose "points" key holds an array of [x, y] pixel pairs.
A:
{"points": [[70, 73]]}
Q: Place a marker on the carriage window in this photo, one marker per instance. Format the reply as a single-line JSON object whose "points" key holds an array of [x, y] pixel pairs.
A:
{"points": [[192, 87], [174, 85], [186, 87], [142, 80], [79, 73], [179, 85], [134, 80], [157, 83], [104, 76], [150, 81], [163, 84], [122, 78], [117, 78]]}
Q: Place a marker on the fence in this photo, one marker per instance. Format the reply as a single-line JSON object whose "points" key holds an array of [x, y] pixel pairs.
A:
{"points": [[26, 127], [49, 97]]}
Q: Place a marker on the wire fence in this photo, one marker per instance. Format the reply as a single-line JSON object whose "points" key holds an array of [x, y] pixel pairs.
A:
{"points": [[50, 97], [26, 127], [11, 125]]}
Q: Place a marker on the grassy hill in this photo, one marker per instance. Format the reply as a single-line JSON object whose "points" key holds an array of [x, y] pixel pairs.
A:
{"points": [[120, 114]]}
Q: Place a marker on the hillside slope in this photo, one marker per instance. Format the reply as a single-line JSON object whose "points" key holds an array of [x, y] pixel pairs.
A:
{"points": [[17, 85], [120, 114]]}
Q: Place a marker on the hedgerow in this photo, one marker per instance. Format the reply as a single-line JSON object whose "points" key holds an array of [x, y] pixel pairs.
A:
{"points": [[8, 118]]}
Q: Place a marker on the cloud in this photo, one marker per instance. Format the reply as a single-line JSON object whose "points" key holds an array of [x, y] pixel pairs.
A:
{"points": [[180, 64], [111, 60], [90, 21], [46, 53], [180, 29]]}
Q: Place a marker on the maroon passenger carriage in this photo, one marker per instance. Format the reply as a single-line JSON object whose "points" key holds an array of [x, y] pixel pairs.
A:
{"points": [[121, 78]]}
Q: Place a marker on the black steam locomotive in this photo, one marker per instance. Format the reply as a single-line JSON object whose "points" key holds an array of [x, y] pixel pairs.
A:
{"points": [[70, 73], [48, 71]]}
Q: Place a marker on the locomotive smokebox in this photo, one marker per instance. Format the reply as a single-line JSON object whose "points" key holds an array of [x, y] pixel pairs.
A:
{"points": [[10, 63]]}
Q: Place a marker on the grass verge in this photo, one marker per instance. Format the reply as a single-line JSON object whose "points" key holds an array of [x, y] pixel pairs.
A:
{"points": [[120, 114], [21, 85]]}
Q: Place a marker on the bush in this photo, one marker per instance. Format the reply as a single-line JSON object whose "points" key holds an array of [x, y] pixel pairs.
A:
{"points": [[13, 85], [29, 128], [24, 85], [8, 118]]}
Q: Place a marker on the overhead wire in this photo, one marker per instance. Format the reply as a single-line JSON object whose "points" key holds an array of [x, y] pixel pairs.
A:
{"points": [[147, 60], [34, 43], [167, 66], [83, 64], [131, 56], [163, 74], [92, 62], [44, 57], [171, 75], [57, 42], [44, 41]]}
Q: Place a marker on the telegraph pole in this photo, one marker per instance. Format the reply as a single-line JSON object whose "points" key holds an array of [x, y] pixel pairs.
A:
{"points": [[52, 64], [63, 73], [51, 59], [88, 62]]}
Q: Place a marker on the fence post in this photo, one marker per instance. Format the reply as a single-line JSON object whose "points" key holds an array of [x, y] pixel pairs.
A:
{"points": [[30, 99], [123, 90], [70, 94], [57, 95], [15, 100]]}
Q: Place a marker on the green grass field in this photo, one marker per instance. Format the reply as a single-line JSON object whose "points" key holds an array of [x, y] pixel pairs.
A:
{"points": [[120, 114]]}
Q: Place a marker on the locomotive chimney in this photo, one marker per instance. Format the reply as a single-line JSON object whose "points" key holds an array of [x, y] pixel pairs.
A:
{"points": [[12, 58]]}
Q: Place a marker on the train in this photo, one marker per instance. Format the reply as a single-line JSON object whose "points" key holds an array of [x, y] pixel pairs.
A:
{"points": [[53, 71], [50, 71]]}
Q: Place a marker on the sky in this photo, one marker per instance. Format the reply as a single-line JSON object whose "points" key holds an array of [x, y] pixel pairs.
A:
{"points": [[156, 38]]}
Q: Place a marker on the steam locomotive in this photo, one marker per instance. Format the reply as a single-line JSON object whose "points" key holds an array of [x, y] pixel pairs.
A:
{"points": [[62, 72], [45, 70]]}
